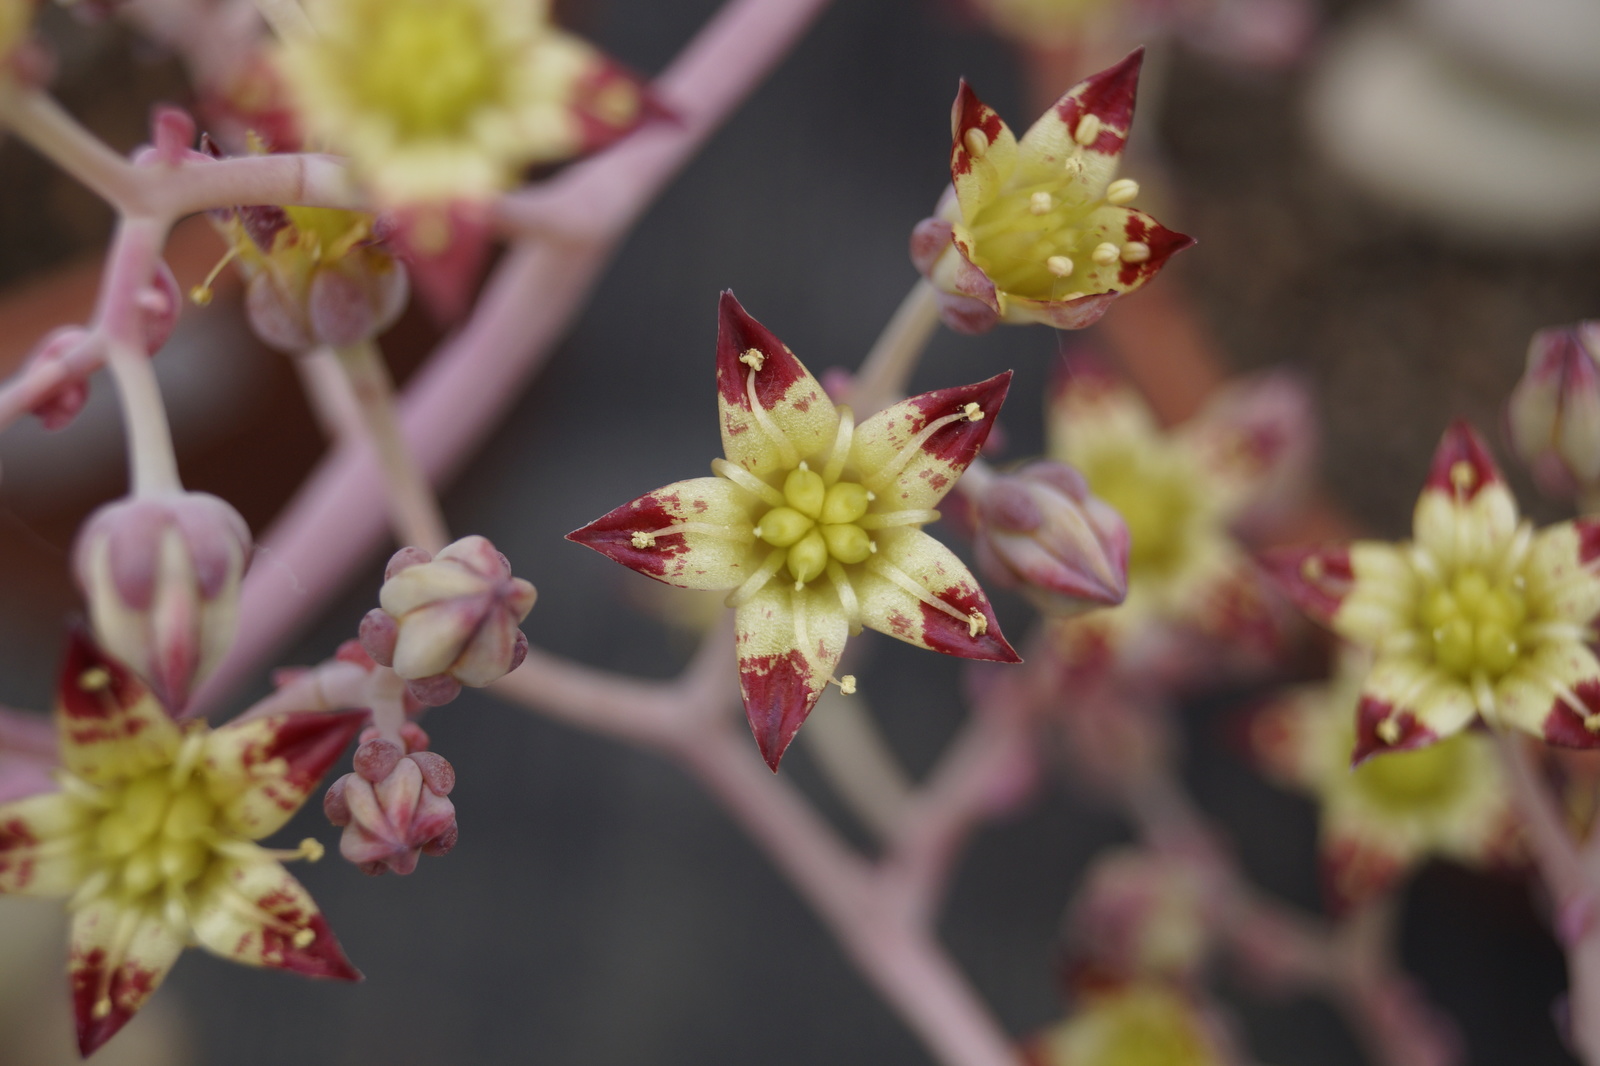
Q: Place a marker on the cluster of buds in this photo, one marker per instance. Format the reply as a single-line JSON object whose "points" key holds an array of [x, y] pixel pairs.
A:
{"points": [[1041, 531], [395, 806], [1554, 412], [449, 620], [161, 576]]}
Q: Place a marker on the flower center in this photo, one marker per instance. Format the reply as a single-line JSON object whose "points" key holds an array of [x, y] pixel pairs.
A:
{"points": [[817, 523], [1409, 781], [426, 64], [1041, 241], [154, 836], [1157, 502], [1474, 624]]}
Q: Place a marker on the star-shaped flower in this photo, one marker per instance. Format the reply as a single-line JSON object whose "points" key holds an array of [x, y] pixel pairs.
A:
{"points": [[814, 523], [1391, 813], [1039, 230], [151, 836], [1478, 615]]}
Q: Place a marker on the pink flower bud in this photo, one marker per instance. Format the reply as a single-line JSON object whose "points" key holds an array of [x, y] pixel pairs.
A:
{"points": [[159, 304], [391, 818], [1040, 531], [1139, 915], [161, 576], [1554, 412], [450, 620], [61, 404]]}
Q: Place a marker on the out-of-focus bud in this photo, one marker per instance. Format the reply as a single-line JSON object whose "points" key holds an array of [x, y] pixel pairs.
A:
{"points": [[68, 345], [449, 620], [159, 305], [1139, 915], [161, 576], [1040, 531], [1554, 412], [395, 806]]}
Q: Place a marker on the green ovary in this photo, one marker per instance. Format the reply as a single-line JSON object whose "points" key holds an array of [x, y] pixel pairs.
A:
{"points": [[817, 524], [154, 836], [1412, 781], [428, 65], [1157, 500], [1016, 238], [1473, 625]]}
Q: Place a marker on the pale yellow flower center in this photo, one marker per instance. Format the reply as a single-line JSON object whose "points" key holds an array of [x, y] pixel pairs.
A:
{"points": [[818, 523], [428, 65], [1157, 499], [153, 836], [1426, 779], [1474, 624], [1038, 241], [1136, 1029]]}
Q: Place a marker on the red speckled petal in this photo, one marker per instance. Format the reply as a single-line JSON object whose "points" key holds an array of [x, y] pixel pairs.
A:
{"points": [[254, 912], [695, 534], [110, 724], [978, 176], [796, 419], [909, 569], [1050, 142], [789, 643], [920, 477], [37, 854], [608, 100], [1561, 571], [119, 957], [261, 771], [1316, 579], [1555, 696]]}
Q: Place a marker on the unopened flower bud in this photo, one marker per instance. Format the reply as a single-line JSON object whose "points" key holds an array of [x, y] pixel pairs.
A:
{"points": [[66, 345], [161, 576], [449, 620], [393, 808], [1554, 412], [1139, 915], [1040, 531]]}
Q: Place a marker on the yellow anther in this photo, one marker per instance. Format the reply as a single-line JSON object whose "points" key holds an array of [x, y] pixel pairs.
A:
{"points": [[1122, 191], [1041, 203], [201, 295], [1311, 569], [975, 141], [847, 684], [753, 358], [643, 539], [94, 679], [976, 623], [1106, 253], [1088, 130], [1592, 723], [1389, 731], [1462, 476], [312, 850], [1059, 265], [304, 938], [1072, 167], [1135, 252], [973, 412], [1074, 296], [102, 1007]]}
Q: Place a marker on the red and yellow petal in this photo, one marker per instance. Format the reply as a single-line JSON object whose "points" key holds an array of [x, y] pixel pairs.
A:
{"points": [[909, 459], [1554, 694], [111, 726], [773, 411], [1254, 440], [1382, 598], [119, 957], [915, 589], [1109, 96], [1465, 515], [1316, 580], [262, 770], [256, 913], [789, 642], [1088, 403], [39, 851], [695, 534], [608, 101], [1406, 704], [1563, 571], [983, 152]]}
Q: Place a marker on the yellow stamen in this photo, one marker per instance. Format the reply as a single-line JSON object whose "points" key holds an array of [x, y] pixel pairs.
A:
{"points": [[1041, 203], [643, 539], [973, 412], [202, 293], [1088, 130], [753, 358], [1059, 265], [1106, 253], [1122, 191], [975, 140], [976, 623], [1135, 252]]}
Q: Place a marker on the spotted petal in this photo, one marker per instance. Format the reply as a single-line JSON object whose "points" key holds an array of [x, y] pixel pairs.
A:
{"points": [[695, 534], [979, 175], [111, 726], [1316, 580], [1382, 596], [262, 770], [607, 101], [119, 957], [789, 642], [254, 912], [1465, 515], [773, 411], [916, 589], [1562, 571], [1051, 141], [911, 454], [1406, 704], [1554, 694], [40, 851], [1254, 440]]}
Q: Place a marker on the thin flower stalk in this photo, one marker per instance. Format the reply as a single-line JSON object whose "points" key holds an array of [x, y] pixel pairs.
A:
{"points": [[894, 356]]}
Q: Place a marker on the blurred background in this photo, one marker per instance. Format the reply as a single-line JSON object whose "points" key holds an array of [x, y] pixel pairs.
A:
{"points": [[599, 908]]}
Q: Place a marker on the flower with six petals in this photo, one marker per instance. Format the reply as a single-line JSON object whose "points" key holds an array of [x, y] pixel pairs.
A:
{"points": [[1038, 230], [152, 836], [814, 524]]}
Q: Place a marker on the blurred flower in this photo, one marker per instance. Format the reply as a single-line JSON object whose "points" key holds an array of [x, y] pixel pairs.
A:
{"points": [[449, 620], [161, 576], [15, 18], [1477, 615], [394, 806], [1391, 813], [833, 507], [151, 836], [1183, 494], [1040, 530], [1038, 230], [447, 99], [1139, 915], [1134, 1025], [1554, 412]]}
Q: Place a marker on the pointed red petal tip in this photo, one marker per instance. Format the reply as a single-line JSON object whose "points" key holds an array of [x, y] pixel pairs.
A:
{"points": [[1588, 530], [612, 535], [738, 334], [93, 1032], [959, 637], [1163, 243], [1109, 96], [309, 742], [960, 440], [1408, 733], [1565, 727], [777, 700], [322, 958], [605, 115], [1462, 465], [969, 113], [78, 700], [1315, 579]]}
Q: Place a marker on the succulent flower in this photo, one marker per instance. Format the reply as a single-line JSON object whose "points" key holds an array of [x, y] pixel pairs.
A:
{"points": [[1039, 230], [1133, 1025], [1391, 813], [395, 805], [1041, 531], [151, 835], [161, 576], [447, 99], [1183, 494], [814, 524], [1477, 615], [450, 619], [1554, 412]]}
